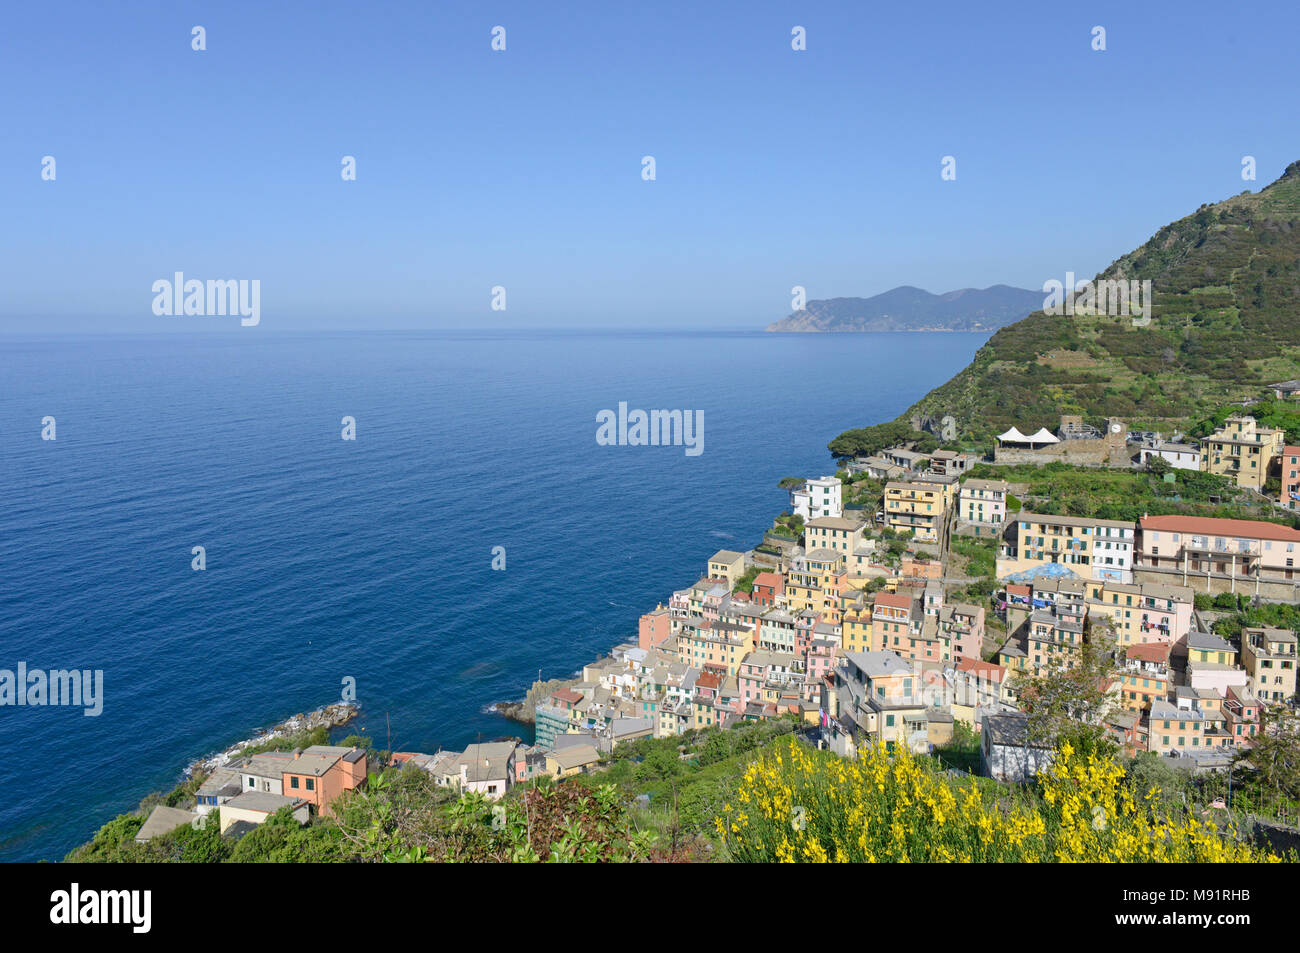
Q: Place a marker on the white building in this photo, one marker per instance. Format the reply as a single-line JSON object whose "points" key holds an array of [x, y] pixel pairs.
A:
{"points": [[983, 502], [1112, 552], [1006, 753], [254, 807], [487, 769], [264, 772], [817, 498], [1180, 456]]}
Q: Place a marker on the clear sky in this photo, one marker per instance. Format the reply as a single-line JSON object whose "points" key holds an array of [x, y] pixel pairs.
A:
{"points": [[522, 168]]}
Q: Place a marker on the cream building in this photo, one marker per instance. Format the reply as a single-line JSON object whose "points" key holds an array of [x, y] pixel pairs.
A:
{"points": [[1243, 450]]}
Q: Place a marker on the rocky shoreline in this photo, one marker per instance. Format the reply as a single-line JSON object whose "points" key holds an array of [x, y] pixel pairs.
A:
{"points": [[327, 716], [525, 711]]}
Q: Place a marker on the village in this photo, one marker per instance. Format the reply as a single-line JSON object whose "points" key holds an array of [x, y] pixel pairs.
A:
{"points": [[863, 616], [854, 620]]}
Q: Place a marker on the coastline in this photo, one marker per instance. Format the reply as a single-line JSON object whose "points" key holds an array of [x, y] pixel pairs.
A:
{"points": [[883, 330], [333, 715], [524, 711]]}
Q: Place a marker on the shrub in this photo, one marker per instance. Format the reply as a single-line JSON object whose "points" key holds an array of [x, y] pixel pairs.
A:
{"points": [[798, 804]]}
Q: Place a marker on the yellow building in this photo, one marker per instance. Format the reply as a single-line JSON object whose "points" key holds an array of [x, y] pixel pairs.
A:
{"points": [[1244, 451], [1142, 612], [834, 533], [724, 564], [576, 759], [918, 507], [1269, 656], [1054, 642], [1090, 548], [814, 583], [720, 645], [856, 610]]}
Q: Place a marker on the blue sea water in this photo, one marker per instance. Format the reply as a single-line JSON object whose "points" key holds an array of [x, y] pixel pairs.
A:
{"points": [[370, 559]]}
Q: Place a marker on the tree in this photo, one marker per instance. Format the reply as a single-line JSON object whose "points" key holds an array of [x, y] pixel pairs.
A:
{"points": [[1072, 703], [1275, 756]]}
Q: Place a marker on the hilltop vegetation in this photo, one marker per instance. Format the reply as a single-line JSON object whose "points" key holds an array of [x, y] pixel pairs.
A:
{"points": [[1111, 494], [1225, 322]]}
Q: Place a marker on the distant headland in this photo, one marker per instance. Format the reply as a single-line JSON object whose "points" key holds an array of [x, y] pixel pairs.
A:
{"points": [[914, 309]]}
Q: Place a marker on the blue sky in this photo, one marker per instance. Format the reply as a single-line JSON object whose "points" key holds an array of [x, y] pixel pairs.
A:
{"points": [[523, 168]]}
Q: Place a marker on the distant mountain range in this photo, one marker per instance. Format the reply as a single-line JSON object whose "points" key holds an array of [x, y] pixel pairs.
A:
{"points": [[914, 309]]}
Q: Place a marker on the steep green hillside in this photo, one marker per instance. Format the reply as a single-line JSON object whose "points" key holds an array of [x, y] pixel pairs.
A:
{"points": [[1226, 321]]}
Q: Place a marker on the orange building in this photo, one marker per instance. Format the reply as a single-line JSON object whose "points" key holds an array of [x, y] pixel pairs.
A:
{"points": [[1144, 677], [320, 773]]}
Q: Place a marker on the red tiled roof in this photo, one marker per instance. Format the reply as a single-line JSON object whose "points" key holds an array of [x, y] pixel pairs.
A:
{"points": [[1214, 526], [768, 579], [896, 601], [1149, 652], [978, 667], [567, 695]]}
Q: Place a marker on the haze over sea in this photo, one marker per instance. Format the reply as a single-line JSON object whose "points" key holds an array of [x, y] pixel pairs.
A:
{"points": [[370, 559]]}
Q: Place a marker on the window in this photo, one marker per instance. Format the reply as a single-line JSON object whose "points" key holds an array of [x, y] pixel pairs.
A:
{"points": [[293, 783], [311, 785]]}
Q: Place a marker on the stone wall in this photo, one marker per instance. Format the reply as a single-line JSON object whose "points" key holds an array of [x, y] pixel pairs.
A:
{"points": [[1219, 583], [1087, 453]]}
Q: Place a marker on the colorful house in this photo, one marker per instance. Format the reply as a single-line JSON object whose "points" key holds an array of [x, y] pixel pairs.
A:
{"points": [[1144, 675], [1243, 450], [1269, 657], [1089, 548], [1142, 612]]}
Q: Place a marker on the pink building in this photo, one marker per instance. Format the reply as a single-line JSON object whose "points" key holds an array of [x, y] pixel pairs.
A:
{"points": [[1241, 712], [819, 661], [654, 629], [964, 625], [1291, 478]]}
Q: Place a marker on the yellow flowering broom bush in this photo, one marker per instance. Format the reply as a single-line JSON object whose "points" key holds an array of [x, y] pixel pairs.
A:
{"points": [[796, 804]]}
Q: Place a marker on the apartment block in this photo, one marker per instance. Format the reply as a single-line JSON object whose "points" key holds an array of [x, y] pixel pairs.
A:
{"points": [[1142, 612], [1244, 451], [1208, 553], [1269, 657], [1090, 548]]}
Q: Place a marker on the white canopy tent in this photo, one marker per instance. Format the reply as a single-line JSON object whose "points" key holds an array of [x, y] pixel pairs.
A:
{"points": [[1043, 436], [1013, 436]]}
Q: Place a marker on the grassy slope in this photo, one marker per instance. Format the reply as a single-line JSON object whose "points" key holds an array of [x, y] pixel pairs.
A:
{"points": [[1226, 283]]}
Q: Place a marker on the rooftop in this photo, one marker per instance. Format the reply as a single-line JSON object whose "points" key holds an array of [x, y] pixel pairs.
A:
{"points": [[262, 801], [163, 820], [1216, 526], [876, 664]]}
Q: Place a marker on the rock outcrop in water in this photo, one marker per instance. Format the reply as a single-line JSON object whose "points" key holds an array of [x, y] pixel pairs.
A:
{"points": [[525, 711], [328, 716]]}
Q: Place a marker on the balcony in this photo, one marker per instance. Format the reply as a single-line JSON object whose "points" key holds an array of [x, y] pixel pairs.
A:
{"points": [[1221, 546]]}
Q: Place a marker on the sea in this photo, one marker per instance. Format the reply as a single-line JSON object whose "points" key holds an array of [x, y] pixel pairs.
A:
{"points": [[370, 561]]}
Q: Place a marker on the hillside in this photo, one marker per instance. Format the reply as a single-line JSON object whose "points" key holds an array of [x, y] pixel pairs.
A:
{"points": [[1225, 322], [913, 309]]}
